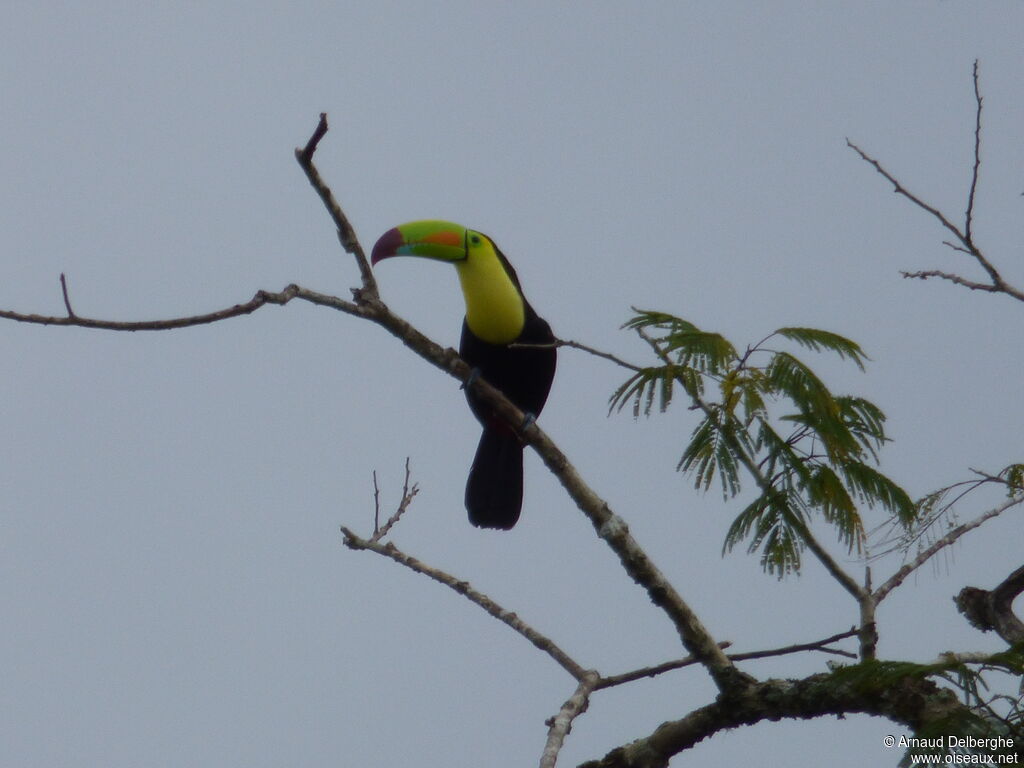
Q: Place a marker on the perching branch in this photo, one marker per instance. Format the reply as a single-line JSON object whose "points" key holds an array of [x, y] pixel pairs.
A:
{"points": [[964, 235]]}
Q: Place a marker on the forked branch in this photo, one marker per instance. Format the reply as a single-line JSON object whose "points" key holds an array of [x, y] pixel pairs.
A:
{"points": [[964, 235]]}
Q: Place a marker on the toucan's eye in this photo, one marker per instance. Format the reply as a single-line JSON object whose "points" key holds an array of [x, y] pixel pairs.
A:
{"points": [[474, 239]]}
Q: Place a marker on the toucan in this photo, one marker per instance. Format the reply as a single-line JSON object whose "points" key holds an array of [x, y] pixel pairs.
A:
{"points": [[498, 320]]}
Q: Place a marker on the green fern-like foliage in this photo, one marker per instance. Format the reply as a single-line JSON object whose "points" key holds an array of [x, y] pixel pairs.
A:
{"points": [[765, 414]]}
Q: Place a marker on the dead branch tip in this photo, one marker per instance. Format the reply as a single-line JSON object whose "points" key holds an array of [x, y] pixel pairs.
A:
{"points": [[64, 292], [306, 154]]}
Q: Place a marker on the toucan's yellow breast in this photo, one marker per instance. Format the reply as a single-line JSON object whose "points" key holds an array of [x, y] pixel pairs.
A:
{"points": [[494, 306]]}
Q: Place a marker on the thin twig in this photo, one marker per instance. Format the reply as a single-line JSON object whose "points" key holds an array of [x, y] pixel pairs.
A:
{"points": [[259, 300], [974, 286], [64, 291], [346, 233], [668, 666], [610, 681], [306, 153], [926, 520], [953, 246], [818, 645], [969, 217], [899, 189], [582, 347], [598, 353], [376, 505], [407, 496]]}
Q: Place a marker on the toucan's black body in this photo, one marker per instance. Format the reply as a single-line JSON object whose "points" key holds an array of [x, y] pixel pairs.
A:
{"points": [[494, 491]]}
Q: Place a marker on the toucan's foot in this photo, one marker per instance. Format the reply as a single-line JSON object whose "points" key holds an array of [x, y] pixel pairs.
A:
{"points": [[528, 419], [471, 380]]}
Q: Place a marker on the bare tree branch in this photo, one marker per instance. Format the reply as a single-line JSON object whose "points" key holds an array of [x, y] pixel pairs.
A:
{"points": [[900, 576], [965, 236], [899, 189], [611, 681], [560, 725], [542, 642], [953, 278], [305, 154], [557, 343], [261, 299], [652, 671], [64, 291], [817, 645]]}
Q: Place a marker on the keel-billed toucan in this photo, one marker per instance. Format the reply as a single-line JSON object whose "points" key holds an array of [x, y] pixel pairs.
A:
{"points": [[497, 316]]}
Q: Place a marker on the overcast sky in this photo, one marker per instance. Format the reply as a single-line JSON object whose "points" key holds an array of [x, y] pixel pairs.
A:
{"points": [[173, 587]]}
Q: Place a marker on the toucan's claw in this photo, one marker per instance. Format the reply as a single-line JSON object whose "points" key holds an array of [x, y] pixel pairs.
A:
{"points": [[528, 419], [471, 379]]}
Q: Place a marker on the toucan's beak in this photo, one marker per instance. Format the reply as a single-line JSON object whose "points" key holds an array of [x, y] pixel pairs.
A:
{"points": [[430, 239]]}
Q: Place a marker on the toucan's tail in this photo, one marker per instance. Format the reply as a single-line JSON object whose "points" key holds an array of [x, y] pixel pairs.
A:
{"points": [[494, 491]]}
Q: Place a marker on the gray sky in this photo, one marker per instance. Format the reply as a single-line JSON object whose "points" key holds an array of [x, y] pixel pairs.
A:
{"points": [[172, 580]]}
